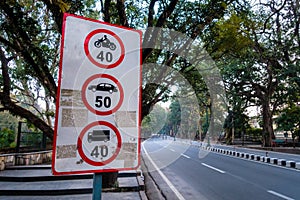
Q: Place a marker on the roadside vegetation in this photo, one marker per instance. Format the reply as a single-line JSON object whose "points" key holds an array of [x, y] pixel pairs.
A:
{"points": [[255, 45]]}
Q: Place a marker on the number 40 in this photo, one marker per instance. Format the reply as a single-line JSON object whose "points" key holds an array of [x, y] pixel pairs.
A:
{"points": [[105, 56], [103, 151]]}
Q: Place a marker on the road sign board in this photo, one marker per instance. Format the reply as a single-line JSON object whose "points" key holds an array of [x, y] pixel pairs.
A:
{"points": [[97, 126]]}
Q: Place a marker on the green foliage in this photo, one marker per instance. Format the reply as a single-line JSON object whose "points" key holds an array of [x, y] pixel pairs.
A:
{"points": [[7, 138], [289, 120], [174, 116], [154, 122], [231, 35], [237, 120], [254, 134], [8, 129], [257, 51]]}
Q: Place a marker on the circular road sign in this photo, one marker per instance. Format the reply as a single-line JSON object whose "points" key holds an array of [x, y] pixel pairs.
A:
{"points": [[99, 143], [102, 94], [104, 48]]}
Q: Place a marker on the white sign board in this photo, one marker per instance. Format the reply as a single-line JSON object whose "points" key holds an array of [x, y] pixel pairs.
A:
{"points": [[97, 127]]}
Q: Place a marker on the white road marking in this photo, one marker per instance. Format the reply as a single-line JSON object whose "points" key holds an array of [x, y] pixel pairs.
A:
{"points": [[172, 187], [211, 167], [172, 150], [280, 195], [185, 155]]}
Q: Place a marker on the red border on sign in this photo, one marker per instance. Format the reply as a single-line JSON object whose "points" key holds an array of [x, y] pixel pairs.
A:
{"points": [[89, 107], [84, 131], [87, 51]]}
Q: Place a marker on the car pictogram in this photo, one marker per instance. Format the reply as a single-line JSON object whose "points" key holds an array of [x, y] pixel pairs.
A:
{"points": [[107, 87], [99, 135]]}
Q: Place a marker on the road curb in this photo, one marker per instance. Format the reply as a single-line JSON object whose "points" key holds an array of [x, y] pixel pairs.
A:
{"points": [[152, 191], [253, 157]]}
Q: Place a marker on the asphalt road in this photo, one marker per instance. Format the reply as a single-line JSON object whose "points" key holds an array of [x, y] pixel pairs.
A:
{"points": [[183, 171]]}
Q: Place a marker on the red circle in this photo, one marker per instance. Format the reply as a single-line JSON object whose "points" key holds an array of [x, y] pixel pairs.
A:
{"points": [[87, 52], [89, 107], [85, 130]]}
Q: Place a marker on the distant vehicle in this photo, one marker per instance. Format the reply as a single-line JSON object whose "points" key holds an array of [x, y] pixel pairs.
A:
{"points": [[103, 87], [99, 135]]}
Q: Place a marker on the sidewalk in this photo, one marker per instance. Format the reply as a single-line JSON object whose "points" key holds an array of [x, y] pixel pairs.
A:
{"points": [[37, 182]]}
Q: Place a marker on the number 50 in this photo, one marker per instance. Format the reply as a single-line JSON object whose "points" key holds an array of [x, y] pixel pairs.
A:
{"points": [[100, 101]]}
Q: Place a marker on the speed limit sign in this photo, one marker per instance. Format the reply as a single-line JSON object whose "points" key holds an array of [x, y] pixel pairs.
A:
{"points": [[97, 126], [111, 48]]}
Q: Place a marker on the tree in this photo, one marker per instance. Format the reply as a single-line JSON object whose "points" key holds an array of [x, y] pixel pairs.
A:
{"points": [[30, 33], [289, 120], [257, 49], [154, 122], [29, 41], [8, 130], [174, 118]]}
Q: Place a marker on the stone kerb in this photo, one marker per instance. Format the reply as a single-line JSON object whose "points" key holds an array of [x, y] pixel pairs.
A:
{"points": [[254, 157], [274, 161], [298, 165], [291, 164], [282, 162]]}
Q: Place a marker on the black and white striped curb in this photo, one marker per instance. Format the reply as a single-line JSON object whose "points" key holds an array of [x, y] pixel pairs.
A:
{"points": [[259, 158], [234, 153]]}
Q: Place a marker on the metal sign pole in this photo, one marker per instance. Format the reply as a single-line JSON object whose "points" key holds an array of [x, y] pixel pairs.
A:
{"points": [[97, 186]]}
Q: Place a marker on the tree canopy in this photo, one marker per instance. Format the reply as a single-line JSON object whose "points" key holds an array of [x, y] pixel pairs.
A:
{"points": [[254, 43]]}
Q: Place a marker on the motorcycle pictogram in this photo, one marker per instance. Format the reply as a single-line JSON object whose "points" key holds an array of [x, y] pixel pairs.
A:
{"points": [[105, 42]]}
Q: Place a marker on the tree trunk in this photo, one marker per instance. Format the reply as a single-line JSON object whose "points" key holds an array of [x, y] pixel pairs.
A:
{"points": [[109, 179], [268, 132]]}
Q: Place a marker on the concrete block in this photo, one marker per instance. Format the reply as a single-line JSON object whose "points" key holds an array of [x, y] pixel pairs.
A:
{"points": [[282, 162], [291, 164], [298, 165], [274, 161], [257, 157], [2, 165]]}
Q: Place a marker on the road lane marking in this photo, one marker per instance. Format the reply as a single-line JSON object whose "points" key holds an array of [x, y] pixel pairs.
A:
{"points": [[185, 155], [172, 150], [280, 195], [171, 186], [211, 167]]}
